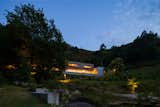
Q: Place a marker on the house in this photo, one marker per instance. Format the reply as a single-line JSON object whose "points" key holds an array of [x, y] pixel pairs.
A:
{"points": [[78, 68]]}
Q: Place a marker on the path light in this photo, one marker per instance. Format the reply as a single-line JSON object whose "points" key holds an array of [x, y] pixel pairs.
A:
{"points": [[65, 81], [65, 76], [34, 66], [132, 85], [33, 73], [10, 67]]}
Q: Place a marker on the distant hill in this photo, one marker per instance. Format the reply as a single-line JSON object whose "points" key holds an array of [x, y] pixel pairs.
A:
{"points": [[81, 55], [144, 50]]}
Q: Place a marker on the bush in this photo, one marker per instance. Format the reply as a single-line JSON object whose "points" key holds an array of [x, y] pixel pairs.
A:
{"points": [[52, 84], [116, 70], [116, 66]]}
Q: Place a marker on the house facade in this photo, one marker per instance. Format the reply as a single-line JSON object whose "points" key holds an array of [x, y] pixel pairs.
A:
{"points": [[78, 68]]}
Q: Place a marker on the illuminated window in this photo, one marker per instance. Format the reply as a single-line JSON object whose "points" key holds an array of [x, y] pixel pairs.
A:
{"points": [[86, 66], [73, 65], [83, 71]]}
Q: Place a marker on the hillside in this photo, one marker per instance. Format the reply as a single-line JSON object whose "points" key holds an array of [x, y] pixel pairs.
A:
{"points": [[81, 55], [144, 50]]}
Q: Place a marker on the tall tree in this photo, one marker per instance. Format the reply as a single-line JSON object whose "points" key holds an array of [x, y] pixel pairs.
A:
{"points": [[33, 18], [47, 47]]}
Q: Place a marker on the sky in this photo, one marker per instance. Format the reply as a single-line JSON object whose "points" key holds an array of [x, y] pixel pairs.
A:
{"points": [[89, 23]]}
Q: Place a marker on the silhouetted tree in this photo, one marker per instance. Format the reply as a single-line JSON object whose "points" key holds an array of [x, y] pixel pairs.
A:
{"points": [[103, 47], [28, 37]]}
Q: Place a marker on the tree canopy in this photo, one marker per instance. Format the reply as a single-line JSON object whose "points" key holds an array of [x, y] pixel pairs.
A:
{"points": [[30, 38]]}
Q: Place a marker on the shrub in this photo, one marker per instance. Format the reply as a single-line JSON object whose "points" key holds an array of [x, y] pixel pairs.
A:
{"points": [[116, 70]]}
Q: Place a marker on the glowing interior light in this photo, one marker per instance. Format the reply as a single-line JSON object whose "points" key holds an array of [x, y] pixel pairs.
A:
{"points": [[82, 71], [72, 65], [86, 66]]}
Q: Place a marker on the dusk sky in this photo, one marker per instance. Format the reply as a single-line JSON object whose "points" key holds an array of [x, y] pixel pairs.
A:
{"points": [[89, 23]]}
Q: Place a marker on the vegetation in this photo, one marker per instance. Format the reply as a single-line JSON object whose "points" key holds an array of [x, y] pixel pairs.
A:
{"points": [[29, 38], [31, 43], [18, 97], [116, 66], [144, 50]]}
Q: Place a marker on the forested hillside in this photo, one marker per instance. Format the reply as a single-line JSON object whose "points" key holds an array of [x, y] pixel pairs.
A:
{"points": [[144, 50]]}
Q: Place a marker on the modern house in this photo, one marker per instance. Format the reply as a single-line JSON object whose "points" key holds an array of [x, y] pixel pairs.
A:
{"points": [[78, 68]]}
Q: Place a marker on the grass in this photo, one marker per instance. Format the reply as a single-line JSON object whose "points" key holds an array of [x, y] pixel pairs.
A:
{"points": [[13, 96], [149, 77], [146, 73]]}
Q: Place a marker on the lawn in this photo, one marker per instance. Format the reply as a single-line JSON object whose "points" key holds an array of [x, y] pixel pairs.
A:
{"points": [[13, 96]]}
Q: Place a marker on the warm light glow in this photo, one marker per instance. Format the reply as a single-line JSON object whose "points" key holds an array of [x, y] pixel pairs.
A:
{"points": [[34, 65], [72, 65], [45, 68], [65, 81], [132, 85], [86, 66], [65, 76], [82, 71], [33, 73], [55, 69], [10, 67], [113, 70]]}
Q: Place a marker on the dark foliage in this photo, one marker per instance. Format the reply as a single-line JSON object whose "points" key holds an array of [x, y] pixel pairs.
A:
{"points": [[29, 38], [145, 48]]}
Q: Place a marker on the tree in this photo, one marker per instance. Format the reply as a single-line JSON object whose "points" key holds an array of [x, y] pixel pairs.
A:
{"points": [[32, 18], [36, 39], [14, 40], [45, 35], [144, 47], [102, 47]]}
